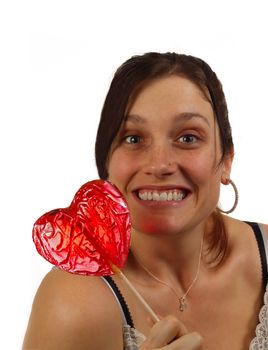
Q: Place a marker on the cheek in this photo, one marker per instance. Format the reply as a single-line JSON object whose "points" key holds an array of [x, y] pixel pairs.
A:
{"points": [[205, 175], [119, 170], [208, 176], [201, 167]]}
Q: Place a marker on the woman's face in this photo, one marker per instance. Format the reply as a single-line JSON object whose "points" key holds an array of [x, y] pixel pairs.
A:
{"points": [[165, 159]]}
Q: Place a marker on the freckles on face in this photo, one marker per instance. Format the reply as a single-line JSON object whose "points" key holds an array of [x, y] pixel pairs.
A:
{"points": [[120, 169]]}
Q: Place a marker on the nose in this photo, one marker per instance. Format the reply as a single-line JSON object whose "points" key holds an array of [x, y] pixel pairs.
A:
{"points": [[160, 162]]}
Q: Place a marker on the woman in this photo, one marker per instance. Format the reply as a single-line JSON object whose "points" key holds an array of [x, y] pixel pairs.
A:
{"points": [[165, 141]]}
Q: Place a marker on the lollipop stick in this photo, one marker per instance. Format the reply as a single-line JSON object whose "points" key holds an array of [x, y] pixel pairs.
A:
{"points": [[134, 290]]}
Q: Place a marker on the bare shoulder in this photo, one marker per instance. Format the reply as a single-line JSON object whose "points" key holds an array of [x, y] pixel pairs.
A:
{"points": [[73, 312], [238, 226], [241, 231], [244, 252], [235, 227]]}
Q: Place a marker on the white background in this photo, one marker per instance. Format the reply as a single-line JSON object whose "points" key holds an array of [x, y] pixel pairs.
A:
{"points": [[56, 61]]}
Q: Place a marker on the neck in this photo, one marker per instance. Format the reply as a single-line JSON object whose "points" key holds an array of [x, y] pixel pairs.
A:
{"points": [[173, 258]]}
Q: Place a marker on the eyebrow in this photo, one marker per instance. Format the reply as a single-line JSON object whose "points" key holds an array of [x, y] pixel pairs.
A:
{"points": [[135, 118], [191, 115]]}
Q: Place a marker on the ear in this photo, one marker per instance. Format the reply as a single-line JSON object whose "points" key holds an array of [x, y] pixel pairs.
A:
{"points": [[227, 167]]}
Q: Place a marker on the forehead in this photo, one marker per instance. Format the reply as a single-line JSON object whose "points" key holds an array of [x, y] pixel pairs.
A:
{"points": [[172, 95]]}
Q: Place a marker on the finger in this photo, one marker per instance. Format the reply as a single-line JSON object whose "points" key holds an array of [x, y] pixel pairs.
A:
{"points": [[163, 332], [190, 341]]}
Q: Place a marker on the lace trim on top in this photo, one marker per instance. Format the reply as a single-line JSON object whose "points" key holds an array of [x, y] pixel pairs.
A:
{"points": [[132, 338], [260, 342]]}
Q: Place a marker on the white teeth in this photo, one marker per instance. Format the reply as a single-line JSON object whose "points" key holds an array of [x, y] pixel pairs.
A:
{"points": [[156, 196], [180, 196], [143, 196], [162, 196]]}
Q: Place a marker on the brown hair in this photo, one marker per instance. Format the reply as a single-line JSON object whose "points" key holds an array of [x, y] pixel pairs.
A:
{"points": [[135, 72]]}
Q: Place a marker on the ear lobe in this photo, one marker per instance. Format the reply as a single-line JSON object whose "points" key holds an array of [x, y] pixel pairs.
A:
{"points": [[225, 179]]}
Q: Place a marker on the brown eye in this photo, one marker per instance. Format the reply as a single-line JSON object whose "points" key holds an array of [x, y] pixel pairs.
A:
{"points": [[133, 139], [188, 138]]}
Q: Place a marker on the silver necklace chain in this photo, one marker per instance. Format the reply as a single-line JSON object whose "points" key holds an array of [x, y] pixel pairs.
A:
{"points": [[182, 299]]}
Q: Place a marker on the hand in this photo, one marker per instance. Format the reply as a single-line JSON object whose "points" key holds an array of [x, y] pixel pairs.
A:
{"points": [[171, 334]]}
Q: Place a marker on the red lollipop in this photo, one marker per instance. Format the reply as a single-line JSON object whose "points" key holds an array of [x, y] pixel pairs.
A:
{"points": [[89, 235]]}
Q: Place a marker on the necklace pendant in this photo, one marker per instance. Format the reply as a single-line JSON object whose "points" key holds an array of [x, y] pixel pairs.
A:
{"points": [[183, 305]]}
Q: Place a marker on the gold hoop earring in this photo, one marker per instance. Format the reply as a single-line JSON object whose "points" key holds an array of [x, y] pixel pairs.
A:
{"points": [[230, 182]]}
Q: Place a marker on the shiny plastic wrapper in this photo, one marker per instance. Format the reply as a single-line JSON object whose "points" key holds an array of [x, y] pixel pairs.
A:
{"points": [[89, 235]]}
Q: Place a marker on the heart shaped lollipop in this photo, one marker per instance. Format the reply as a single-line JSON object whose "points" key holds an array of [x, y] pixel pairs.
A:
{"points": [[91, 235]]}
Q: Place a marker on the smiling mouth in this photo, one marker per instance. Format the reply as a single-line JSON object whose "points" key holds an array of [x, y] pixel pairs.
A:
{"points": [[176, 195]]}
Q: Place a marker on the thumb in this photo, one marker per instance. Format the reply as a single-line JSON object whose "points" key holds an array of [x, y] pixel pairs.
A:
{"points": [[165, 331]]}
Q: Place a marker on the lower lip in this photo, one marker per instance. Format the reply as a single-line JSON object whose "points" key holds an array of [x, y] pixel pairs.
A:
{"points": [[161, 204]]}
